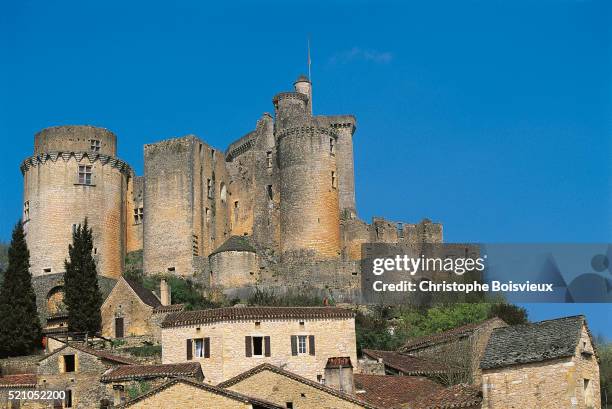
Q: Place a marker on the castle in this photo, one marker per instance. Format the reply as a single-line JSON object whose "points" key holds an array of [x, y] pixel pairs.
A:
{"points": [[277, 208]]}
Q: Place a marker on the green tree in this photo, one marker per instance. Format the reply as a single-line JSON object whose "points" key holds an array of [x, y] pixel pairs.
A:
{"points": [[604, 352], [81, 292], [510, 313], [20, 332]]}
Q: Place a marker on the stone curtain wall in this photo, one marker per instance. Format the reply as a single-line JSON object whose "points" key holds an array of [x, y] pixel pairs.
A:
{"points": [[227, 346]]}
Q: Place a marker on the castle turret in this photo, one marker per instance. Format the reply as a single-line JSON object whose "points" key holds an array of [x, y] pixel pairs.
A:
{"points": [[304, 86], [309, 209], [74, 174]]}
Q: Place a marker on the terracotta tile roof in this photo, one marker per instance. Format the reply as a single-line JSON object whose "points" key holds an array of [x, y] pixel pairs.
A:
{"points": [[252, 313], [407, 364], [535, 342], [393, 391], [454, 397], [450, 335], [269, 367], [145, 295], [339, 361], [18, 381], [212, 389], [126, 372], [169, 308], [95, 352]]}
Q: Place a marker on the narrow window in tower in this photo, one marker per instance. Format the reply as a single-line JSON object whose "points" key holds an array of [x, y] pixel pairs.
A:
{"points": [[236, 210], [332, 146], [26, 211], [334, 182], [269, 159], [85, 175], [195, 245], [138, 215], [209, 188], [270, 193], [207, 212], [95, 145]]}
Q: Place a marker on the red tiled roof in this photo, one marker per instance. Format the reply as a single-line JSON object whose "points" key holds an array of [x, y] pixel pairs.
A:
{"points": [[269, 367], [126, 372], [339, 361], [406, 364], [253, 313], [441, 337], [18, 381], [392, 391], [454, 397], [169, 308]]}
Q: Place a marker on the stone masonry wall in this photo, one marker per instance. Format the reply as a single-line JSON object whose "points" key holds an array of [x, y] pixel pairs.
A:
{"points": [[227, 345]]}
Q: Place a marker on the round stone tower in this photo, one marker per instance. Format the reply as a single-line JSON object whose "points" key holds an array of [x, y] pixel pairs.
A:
{"points": [[75, 174], [309, 204]]}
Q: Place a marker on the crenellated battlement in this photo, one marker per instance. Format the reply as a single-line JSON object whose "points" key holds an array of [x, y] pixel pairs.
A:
{"points": [[43, 158]]}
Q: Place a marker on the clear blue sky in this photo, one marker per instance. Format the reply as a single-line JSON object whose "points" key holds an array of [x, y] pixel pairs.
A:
{"points": [[492, 117]]}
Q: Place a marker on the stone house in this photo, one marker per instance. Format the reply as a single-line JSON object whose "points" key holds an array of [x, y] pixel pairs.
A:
{"points": [[547, 364], [123, 382], [290, 390], [132, 310], [230, 341], [460, 348], [182, 393], [76, 369]]}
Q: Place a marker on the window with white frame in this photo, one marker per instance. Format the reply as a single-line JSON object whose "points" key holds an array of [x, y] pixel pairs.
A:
{"points": [[85, 175], [301, 344]]}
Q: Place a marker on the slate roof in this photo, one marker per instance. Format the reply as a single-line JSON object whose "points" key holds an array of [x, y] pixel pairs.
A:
{"points": [[453, 397], [145, 295], [252, 313], [235, 243], [18, 381], [128, 372], [535, 342], [95, 352], [406, 364], [388, 391], [212, 389], [269, 367], [446, 336]]}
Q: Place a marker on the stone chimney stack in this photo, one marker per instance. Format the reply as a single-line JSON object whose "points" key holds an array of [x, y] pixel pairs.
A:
{"points": [[164, 293], [339, 374]]}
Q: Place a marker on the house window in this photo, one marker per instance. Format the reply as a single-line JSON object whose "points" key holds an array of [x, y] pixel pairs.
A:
{"points": [[209, 188], [334, 181], [68, 399], [138, 215], [257, 346], [289, 405], [269, 159], [301, 344], [119, 394], [47, 270], [269, 191], [26, 211], [588, 394], [201, 347], [69, 363], [85, 175], [332, 146], [95, 145]]}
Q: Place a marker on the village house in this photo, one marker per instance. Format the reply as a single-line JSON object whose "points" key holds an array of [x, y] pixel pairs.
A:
{"points": [[460, 348], [128, 381], [290, 390], [229, 341], [548, 364], [132, 310], [187, 394]]}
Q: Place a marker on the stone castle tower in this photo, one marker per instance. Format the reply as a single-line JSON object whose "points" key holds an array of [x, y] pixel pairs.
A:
{"points": [[279, 200]]}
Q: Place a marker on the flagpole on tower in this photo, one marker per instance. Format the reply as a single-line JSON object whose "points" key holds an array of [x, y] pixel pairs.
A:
{"points": [[309, 74]]}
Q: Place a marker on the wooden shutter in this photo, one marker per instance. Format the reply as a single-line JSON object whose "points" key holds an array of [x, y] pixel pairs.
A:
{"points": [[189, 349], [206, 347], [248, 347], [267, 346], [294, 345], [311, 344]]}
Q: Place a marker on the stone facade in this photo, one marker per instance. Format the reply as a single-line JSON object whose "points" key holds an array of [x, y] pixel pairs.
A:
{"points": [[232, 347], [288, 185]]}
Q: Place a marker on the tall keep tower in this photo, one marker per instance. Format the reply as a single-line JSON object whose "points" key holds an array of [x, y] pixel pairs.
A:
{"points": [[309, 201], [73, 174]]}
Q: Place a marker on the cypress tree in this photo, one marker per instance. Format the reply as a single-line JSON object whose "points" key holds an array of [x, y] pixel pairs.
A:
{"points": [[20, 331], [81, 292]]}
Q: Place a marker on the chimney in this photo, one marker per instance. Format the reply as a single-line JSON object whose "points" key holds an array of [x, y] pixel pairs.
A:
{"points": [[164, 293], [339, 374]]}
